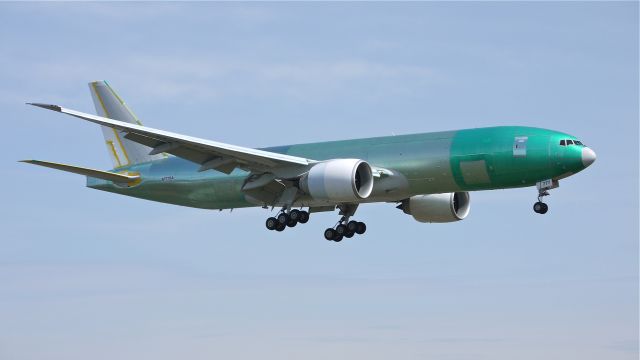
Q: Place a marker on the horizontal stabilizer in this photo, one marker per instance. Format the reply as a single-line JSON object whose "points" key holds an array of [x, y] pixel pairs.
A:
{"points": [[99, 174]]}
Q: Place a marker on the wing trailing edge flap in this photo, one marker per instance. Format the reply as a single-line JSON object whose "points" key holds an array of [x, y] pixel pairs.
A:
{"points": [[206, 161], [98, 174]]}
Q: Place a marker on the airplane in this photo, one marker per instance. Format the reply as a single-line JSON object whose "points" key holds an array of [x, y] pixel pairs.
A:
{"points": [[428, 175]]}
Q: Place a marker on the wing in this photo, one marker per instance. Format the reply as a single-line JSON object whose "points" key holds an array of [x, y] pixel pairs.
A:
{"points": [[209, 154]]}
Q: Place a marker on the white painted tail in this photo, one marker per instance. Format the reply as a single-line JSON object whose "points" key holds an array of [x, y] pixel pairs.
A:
{"points": [[108, 104]]}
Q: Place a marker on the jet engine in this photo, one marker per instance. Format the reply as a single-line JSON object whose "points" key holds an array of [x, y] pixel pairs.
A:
{"points": [[438, 208], [339, 180]]}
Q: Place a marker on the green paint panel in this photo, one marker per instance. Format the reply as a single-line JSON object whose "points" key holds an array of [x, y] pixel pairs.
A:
{"points": [[512, 157]]}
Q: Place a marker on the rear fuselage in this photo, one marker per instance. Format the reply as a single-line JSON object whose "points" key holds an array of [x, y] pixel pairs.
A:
{"points": [[463, 160]]}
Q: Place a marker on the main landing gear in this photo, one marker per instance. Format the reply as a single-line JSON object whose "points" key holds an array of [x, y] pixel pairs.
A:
{"points": [[345, 229], [287, 219]]}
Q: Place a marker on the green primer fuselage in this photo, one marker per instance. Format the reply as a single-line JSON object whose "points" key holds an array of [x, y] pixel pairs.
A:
{"points": [[440, 162]]}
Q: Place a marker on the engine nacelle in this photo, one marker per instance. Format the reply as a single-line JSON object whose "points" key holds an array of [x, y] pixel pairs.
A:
{"points": [[340, 180], [438, 208]]}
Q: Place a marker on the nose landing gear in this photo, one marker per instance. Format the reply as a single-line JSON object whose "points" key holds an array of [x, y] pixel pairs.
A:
{"points": [[543, 190]]}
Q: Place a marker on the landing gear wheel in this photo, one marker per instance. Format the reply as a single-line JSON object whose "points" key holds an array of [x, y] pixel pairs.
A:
{"points": [[338, 238], [283, 218], [544, 209], [349, 234], [280, 227], [352, 226], [341, 229], [540, 207], [329, 234], [361, 228], [292, 223], [271, 223], [294, 215], [537, 207], [304, 217]]}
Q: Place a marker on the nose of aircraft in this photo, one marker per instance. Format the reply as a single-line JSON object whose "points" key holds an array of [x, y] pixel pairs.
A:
{"points": [[588, 156]]}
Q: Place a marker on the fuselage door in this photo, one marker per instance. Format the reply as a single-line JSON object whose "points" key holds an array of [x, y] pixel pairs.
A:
{"points": [[520, 146]]}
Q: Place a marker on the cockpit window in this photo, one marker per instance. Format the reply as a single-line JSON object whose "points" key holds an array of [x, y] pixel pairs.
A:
{"points": [[567, 142]]}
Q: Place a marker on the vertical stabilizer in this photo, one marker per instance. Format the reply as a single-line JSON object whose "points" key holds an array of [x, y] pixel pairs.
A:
{"points": [[108, 104]]}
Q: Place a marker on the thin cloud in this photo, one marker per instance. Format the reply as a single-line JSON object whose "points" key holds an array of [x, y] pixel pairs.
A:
{"points": [[206, 78]]}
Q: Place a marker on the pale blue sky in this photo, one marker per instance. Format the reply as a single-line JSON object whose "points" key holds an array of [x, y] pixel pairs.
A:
{"points": [[86, 274]]}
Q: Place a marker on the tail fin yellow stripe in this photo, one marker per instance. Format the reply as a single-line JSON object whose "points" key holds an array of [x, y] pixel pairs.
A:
{"points": [[123, 104], [113, 151], [115, 132], [122, 151]]}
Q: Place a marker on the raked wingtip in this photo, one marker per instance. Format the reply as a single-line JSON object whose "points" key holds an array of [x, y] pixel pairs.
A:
{"points": [[46, 106]]}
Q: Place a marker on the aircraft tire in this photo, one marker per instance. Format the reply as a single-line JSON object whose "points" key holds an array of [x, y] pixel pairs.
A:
{"points": [[352, 225], [283, 218], [329, 234], [544, 209], [271, 223], [304, 217], [294, 215]]}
